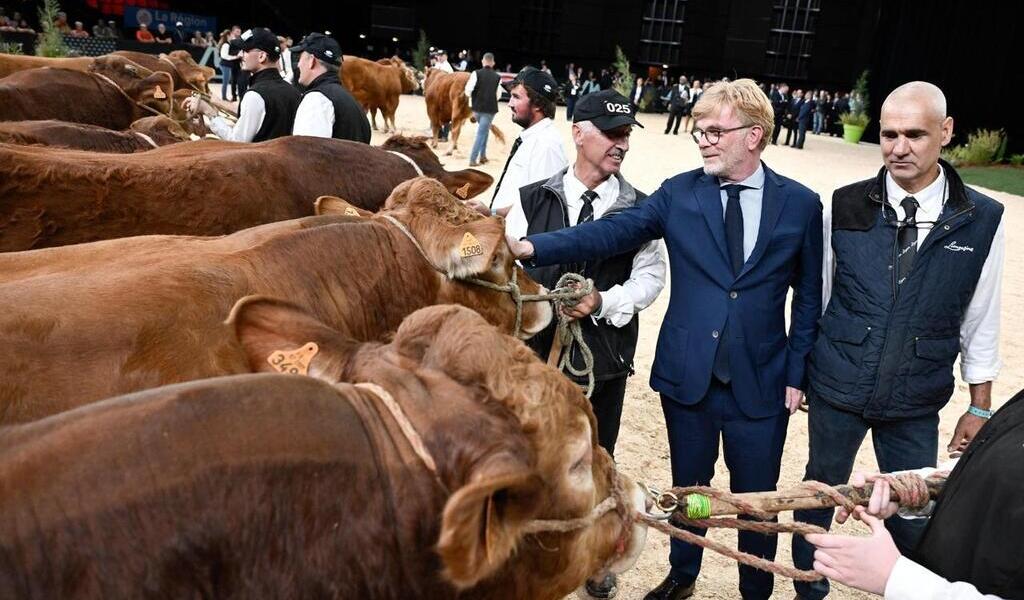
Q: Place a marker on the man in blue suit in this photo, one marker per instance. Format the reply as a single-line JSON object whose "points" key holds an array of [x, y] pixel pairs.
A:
{"points": [[738, 237]]}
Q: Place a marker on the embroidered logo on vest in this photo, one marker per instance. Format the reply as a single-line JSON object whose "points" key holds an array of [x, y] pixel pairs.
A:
{"points": [[954, 247]]}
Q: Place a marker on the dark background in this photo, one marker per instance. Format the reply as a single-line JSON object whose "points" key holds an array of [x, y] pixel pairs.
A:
{"points": [[969, 48]]}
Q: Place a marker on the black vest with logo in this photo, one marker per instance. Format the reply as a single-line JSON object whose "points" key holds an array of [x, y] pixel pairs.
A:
{"points": [[281, 100], [613, 347], [886, 355], [350, 122], [484, 97], [975, 531]]}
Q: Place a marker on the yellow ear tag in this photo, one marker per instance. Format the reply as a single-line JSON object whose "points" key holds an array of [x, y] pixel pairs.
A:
{"points": [[470, 246], [159, 94], [294, 361], [351, 211], [463, 192]]}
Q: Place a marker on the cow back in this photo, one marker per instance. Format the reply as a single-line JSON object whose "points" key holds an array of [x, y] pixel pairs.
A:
{"points": [[38, 94], [274, 483]]}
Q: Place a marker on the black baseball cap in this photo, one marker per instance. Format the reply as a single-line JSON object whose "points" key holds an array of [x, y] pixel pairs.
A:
{"points": [[606, 109], [321, 46], [261, 38], [537, 80]]}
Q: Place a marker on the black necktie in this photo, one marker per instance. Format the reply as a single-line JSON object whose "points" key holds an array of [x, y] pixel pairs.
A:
{"points": [[515, 147], [734, 243], [906, 240], [734, 227], [587, 212]]}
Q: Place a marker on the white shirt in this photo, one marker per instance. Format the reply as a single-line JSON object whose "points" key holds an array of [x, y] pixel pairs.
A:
{"points": [[251, 113], [539, 157], [979, 330], [315, 116], [225, 52], [285, 65], [911, 581], [646, 279], [471, 85], [444, 66]]}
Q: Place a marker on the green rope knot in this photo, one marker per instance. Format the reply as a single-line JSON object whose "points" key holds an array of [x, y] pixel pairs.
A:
{"points": [[698, 506]]}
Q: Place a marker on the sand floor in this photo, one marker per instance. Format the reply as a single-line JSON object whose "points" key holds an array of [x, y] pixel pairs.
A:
{"points": [[823, 165]]}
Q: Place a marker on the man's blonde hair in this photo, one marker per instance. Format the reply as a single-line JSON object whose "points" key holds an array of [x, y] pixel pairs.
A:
{"points": [[746, 98]]}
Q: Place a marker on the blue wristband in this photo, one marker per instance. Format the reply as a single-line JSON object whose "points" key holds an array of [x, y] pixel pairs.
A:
{"points": [[980, 412]]}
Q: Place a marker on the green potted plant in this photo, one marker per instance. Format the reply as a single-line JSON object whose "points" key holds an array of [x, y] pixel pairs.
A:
{"points": [[855, 121]]}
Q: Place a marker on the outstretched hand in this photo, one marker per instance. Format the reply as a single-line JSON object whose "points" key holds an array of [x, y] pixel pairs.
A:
{"points": [[864, 563]]}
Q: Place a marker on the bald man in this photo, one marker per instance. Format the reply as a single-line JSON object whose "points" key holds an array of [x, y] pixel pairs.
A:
{"points": [[912, 279]]}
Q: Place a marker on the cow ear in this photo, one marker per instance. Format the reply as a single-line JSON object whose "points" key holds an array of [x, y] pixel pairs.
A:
{"points": [[467, 183], [157, 91], [484, 521], [279, 337], [333, 205]]}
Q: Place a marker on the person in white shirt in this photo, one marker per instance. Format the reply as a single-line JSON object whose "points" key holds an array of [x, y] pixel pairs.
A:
{"points": [[912, 278], [537, 153], [268, 111], [442, 62], [327, 109], [285, 64], [591, 189]]}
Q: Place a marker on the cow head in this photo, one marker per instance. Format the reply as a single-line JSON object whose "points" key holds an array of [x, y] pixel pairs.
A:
{"points": [[155, 91], [406, 74], [119, 69], [194, 74], [417, 149], [465, 244], [163, 130], [496, 491]]}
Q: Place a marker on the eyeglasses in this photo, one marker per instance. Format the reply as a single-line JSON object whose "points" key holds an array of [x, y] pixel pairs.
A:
{"points": [[713, 136]]}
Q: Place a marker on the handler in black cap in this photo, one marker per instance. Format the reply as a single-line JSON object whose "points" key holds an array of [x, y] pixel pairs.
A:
{"points": [[269, 111], [327, 109], [593, 188]]}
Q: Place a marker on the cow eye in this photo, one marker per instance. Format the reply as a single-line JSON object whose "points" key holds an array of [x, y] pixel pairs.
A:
{"points": [[583, 463]]}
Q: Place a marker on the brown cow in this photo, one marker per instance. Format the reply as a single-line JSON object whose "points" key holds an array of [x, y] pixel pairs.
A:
{"points": [[52, 197], [378, 85], [446, 99], [178, 64], [145, 134], [78, 97], [12, 63], [86, 322], [283, 486]]}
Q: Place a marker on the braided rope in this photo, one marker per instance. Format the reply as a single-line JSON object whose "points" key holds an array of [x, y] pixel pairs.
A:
{"points": [[571, 287]]}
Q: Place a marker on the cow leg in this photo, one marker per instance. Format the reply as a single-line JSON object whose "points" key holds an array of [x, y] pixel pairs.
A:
{"points": [[436, 129], [373, 118], [456, 130]]}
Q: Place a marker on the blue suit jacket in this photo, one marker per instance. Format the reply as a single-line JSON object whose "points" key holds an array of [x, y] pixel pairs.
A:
{"points": [[687, 212]]}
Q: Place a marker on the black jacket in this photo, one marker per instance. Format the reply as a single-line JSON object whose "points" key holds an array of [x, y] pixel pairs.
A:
{"points": [[281, 100]]}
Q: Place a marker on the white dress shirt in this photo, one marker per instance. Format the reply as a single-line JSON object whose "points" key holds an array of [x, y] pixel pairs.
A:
{"points": [[285, 65], [646, 279], [979, 330], [444, 66], [911, 581], [251, 113], [315, 116], [540, 156]]}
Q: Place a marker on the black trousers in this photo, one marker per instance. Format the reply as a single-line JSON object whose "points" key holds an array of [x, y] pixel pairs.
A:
{"points": [[676, 116], [778, 130], [607, 404]]}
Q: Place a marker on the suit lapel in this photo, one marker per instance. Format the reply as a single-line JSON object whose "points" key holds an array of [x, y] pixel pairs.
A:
{"points": [[709, 197], [772, 201]]}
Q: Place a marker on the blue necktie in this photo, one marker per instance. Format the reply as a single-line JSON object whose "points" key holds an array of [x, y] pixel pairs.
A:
{"points": [[734, 243]]}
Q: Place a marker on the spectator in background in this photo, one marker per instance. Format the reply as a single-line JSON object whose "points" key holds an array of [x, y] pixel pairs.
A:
{"points": [[285, 64], [696, 91], [779, 97], [99, 30], [483, 91], [606, 79], [637, 94], [463, 63], [678, 104], [178, 35], [228, 65], [572, 93], [803, 120], [198, 39], [792, 111], [821, 107], [590, 85], [544, 67], [211, 42], [79, 31], [61, 23], [143, 35], [113, 29], [162, 35]]}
